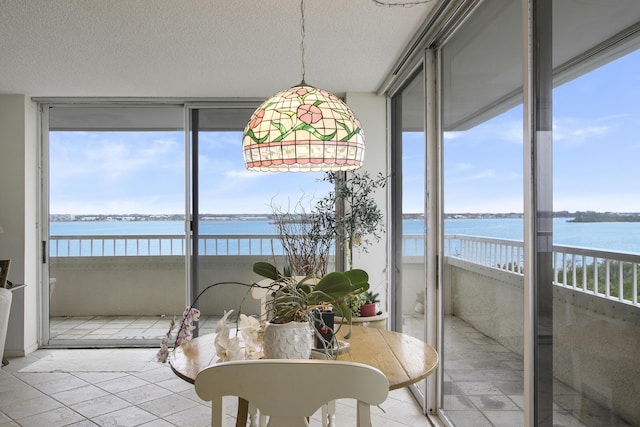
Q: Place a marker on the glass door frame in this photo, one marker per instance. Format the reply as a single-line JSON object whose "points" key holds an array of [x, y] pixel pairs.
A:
{"points": [[190, 171], [420, 72], [192, 234], [44, 107], [537, 87]]}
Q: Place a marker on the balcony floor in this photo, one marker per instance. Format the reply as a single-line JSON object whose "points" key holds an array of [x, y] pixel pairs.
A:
{"points": [[483, 381]]}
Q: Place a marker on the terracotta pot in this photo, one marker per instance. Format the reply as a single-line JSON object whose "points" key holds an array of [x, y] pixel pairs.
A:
{"points": [[368, 310], [287, 340]]}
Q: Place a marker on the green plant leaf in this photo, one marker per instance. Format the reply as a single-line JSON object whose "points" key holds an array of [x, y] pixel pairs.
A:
{"points": [[266, 269], [357, 277], [335, 283], [304, 288], [344, 311]]}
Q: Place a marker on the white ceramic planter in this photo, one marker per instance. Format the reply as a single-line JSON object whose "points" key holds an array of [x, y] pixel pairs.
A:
{"points": [[287, 341]]}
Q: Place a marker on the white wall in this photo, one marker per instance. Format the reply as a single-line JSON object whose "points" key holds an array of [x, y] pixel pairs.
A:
{"points": [[371, 110], [148, 285], [18, 217]]}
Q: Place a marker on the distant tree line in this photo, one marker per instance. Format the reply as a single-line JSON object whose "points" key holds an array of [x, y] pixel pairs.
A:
{"points": [[590, 216]]}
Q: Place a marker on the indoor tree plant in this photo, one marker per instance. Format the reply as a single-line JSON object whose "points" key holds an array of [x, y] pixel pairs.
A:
{"points": [[350, 212], [348, 215]]}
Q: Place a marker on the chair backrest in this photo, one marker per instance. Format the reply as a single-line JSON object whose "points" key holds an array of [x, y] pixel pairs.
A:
{"points": [[289, 391]]}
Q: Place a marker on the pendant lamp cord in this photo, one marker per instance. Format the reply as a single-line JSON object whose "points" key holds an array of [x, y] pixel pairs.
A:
{"points": [[302, 30]]}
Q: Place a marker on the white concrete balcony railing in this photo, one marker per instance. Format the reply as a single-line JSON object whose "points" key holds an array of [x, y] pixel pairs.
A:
{"points": [[162, 245], [606, 274]]}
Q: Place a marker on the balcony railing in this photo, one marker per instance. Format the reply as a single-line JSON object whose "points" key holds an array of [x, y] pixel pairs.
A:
{"points": [[611, 275], [606, 274], [162, 245]]}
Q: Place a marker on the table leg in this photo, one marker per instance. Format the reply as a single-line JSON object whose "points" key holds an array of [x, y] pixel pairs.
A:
{"points": [[243, 411]]}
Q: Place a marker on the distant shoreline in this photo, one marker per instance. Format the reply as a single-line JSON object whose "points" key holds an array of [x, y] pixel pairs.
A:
{"points": [[588, 216], [575, 217]]}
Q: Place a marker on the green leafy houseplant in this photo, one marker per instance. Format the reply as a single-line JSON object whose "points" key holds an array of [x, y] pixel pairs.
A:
{"points": [[369, 308], [357, 301], [300, 298]]}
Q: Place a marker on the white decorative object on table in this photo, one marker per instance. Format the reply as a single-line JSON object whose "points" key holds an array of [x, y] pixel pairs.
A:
{"points": [[227, 348], [249, 328]]}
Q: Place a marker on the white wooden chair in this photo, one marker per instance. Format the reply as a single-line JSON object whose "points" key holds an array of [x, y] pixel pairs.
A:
{"points": [[290, 391]]}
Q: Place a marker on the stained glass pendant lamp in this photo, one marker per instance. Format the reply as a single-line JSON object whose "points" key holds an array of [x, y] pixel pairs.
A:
{"points": [[303, 129]]}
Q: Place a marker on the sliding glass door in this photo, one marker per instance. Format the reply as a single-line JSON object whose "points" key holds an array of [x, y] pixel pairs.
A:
{"points": [[143, 216], [408, 214], [538, 259], [116, 225]]}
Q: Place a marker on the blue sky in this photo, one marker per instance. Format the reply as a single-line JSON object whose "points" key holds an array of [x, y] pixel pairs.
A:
{"points": [[143, 172], [596, 153], [596, 149]]}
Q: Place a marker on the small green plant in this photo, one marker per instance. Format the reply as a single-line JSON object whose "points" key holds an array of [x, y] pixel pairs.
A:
{"points": [[354, 302], [371, 298]]}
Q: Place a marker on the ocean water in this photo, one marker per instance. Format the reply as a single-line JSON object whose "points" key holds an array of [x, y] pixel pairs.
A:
{"points": [[614, 236]]}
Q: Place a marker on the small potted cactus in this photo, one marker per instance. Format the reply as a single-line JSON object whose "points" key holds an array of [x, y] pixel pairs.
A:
{"points": [[369, 306]]}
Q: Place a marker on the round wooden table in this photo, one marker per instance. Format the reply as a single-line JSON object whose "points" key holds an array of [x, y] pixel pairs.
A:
{"points": [[403, 359]]}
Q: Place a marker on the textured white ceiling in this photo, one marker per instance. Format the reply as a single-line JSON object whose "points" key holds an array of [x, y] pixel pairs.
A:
{"points": [[198, 48]]}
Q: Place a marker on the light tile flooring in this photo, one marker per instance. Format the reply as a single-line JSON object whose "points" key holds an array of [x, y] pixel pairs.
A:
{"points": [[152, 397], [483, 385]]}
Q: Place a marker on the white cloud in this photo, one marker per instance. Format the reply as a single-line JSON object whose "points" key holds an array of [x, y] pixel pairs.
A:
{"points": [[463, 167], [450, 136], [242, 174], [487, 173], [576, 131]]}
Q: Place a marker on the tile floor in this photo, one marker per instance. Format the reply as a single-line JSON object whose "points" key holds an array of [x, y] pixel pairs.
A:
{"points": [[483, 383], [151, 397], [483, 386]]}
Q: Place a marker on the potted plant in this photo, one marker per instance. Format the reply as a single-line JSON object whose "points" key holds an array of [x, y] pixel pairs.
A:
{"points": [[351, 213], [296, 302], [368, 307]]}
